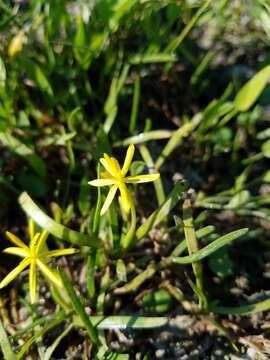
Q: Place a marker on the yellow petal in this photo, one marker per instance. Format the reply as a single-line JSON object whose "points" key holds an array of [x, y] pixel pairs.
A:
{"points": [[31, 229], [41, 241], [17, 251], [116, 167], [34, 242], [106, 162], [106, 175], [15, 272], [60, 252], [128, 160], [32, 281], [142, 178], [13, 238], [101, 182], [126, 200], [50, 274], [109, 199]]}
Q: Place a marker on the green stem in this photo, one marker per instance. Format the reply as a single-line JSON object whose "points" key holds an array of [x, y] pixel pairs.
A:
{"points": [[193, 247], [127, 240]]}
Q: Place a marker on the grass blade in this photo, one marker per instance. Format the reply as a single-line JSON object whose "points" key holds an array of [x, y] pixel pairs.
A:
{"points": [[50, 350], [135, 105], [162, 212], [144, 137], [243, 310], [5, 344], [177, 41], [209, 249], [79, 308], [193, 247], [128, 322], [56, 229], [177, 138], [20, 149], [40, 333]]}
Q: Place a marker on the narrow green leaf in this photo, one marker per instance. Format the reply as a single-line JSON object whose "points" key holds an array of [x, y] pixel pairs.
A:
{"points": [[127, 322], [243, 310], [3, 73], [79, 308], [250, 92], [84, 196], [50, 350], [211, 248], [173, 45], [137, 281], [91, 262], [135, 105], [144, 137], [38, 334], [146, 155], [24, 151], [162, 212], [5, 344], [152, 58], [121, 270], [177, 138], [193, 246], [207, 230], [35, 72], [54, 228], [266, 148]]}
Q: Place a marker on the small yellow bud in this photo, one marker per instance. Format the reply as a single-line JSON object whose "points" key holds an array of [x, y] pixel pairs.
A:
{"points": [[16, 44]]}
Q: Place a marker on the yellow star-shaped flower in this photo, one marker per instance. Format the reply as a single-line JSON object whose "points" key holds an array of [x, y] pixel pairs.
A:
{"points": [[117, 179], [33, 256]]}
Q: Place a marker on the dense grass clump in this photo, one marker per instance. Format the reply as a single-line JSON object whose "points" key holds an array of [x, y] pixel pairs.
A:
{"points": [[97, 99]]}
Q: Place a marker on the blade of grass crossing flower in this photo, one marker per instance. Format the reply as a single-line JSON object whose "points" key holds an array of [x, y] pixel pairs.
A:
{"points": [[79, 308], [211, 248], [145, 153], [193, 247], [162, 212], [56, 229], [5, 344]]}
